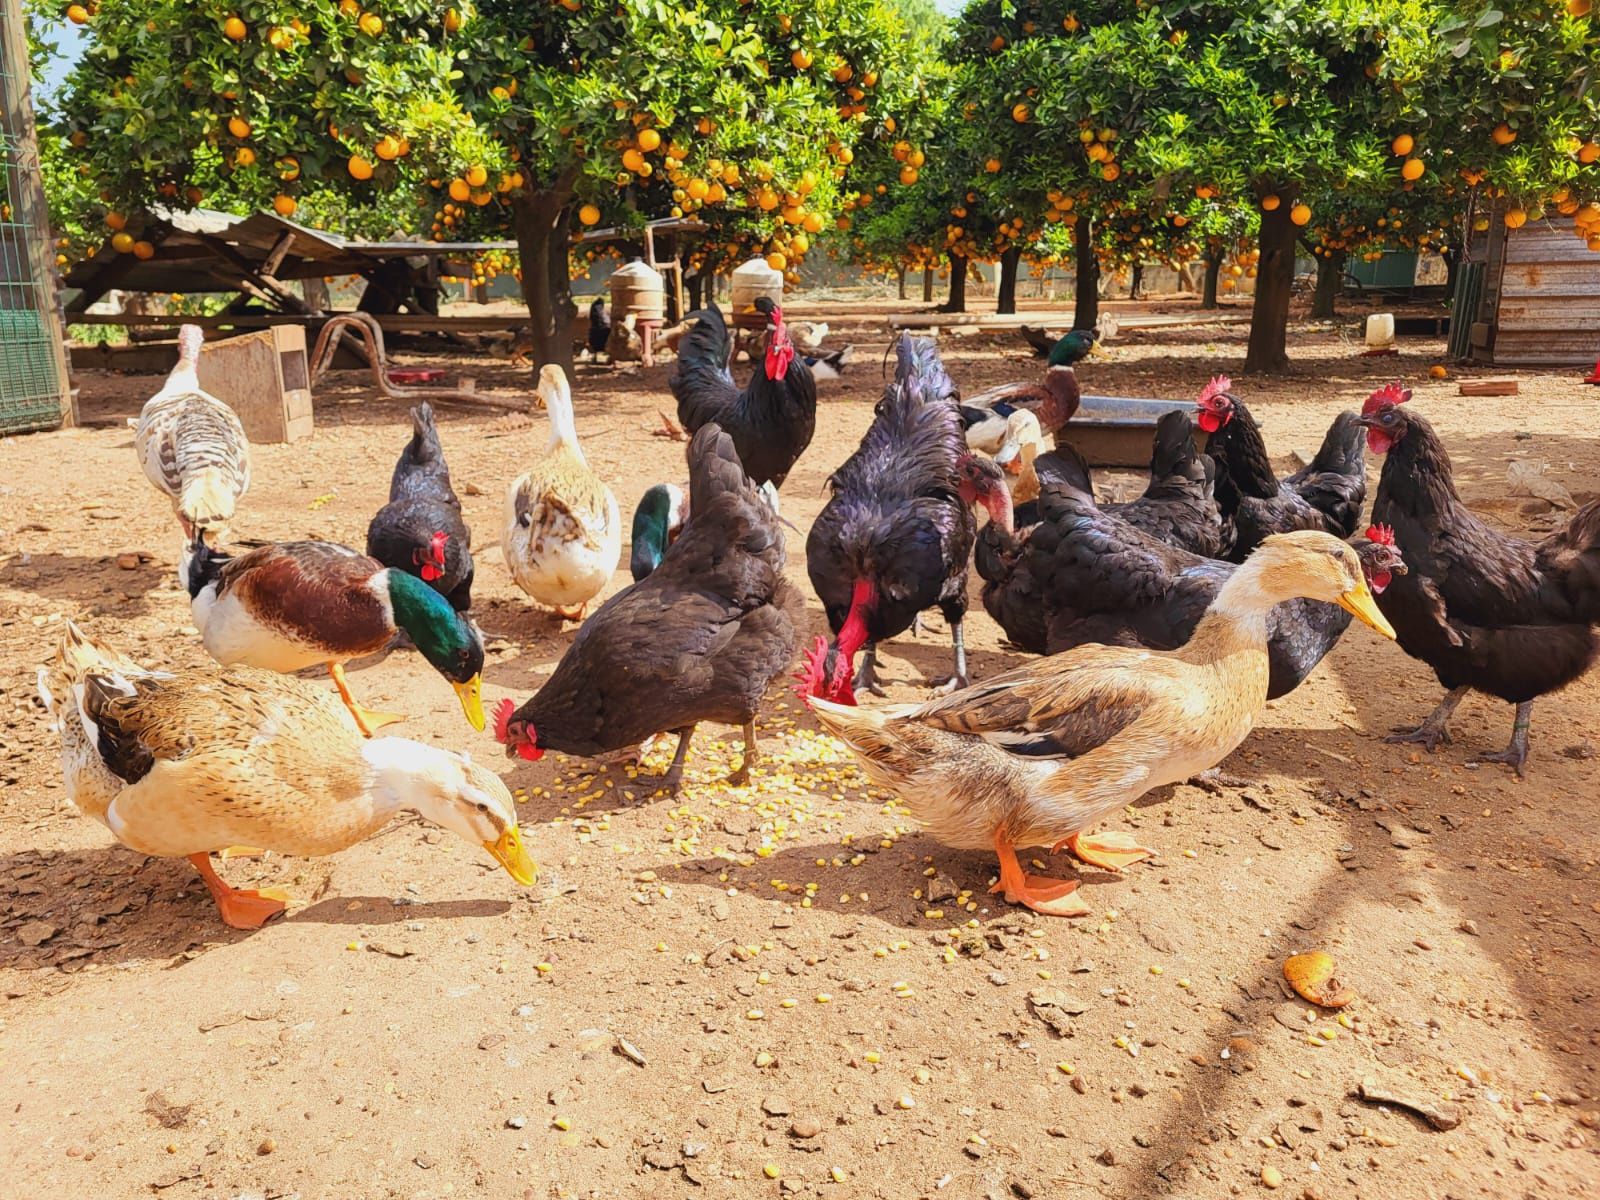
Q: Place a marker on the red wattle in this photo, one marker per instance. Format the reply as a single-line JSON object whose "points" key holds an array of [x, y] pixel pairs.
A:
{"points": [[1209, 421]]}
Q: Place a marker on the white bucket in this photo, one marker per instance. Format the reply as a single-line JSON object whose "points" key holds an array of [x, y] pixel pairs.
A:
{"points": [[1380, 331]]}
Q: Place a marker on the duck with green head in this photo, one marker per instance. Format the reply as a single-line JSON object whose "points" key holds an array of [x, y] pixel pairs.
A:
{"points": [[291, 605], [657, 522]]}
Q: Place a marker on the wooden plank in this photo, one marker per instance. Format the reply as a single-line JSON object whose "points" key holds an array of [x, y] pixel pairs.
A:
{"points": [[391, 323], [1487, 387], [248, 374], [277, 254]]}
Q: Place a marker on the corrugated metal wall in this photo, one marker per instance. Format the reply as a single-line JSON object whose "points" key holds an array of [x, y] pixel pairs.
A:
{"points": [[1548, 299]]}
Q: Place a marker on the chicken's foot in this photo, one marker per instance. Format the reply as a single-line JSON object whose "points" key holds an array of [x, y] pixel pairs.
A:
{"points": [[673, 779], [958, 645], [1515, 755], [669, 429], [752, 755], [1053, 897], [1434, 731], [866, 679]]}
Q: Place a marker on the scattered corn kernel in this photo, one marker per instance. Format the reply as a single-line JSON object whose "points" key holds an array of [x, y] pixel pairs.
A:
{"points": [[770, 1170], [824, 998], [788, 1002], [872, 1056], [755, 1014], [906, 1101], [837, 1175], [562, 1124], [1066, 1068], [543, 968], [1157, 970]]}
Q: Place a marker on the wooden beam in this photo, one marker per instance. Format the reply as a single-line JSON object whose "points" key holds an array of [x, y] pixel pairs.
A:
{"points": [[391, 322], [277, 254]]}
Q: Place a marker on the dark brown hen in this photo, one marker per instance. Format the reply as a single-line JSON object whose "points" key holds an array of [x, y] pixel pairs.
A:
{"points": [[698, 639], [1488, 612]]}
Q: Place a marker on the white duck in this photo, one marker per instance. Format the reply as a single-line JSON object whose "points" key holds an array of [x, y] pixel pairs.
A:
{"points": [[192, 446], [563, 531]]}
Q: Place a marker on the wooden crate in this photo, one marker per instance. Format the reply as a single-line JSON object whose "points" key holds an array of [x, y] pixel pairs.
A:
{"points": [[266, 379]]}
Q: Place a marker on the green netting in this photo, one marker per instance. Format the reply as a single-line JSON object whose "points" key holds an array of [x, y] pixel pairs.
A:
{"points": [[31, 387]]}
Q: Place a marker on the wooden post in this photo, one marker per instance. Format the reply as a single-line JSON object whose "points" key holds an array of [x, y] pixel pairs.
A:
{"points": [[31, 212]]}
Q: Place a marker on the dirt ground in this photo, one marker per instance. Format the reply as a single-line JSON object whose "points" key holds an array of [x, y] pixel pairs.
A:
{"points": [[786, 988]]}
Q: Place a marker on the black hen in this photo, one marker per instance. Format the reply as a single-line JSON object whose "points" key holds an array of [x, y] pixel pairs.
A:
{"points": [[1488, 612], [599, 326], [1179, 506], [896, 536], [698, 639], [771, 421], [421, 530], [1327, 494], [1102, 580]]}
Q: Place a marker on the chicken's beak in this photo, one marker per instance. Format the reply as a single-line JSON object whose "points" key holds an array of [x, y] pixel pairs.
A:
{"points": [[470, 694], [508, 852], [1359, 602]]}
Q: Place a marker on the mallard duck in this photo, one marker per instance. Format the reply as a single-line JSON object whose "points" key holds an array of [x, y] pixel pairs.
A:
{"points": [[291, 605], [192, 446], [563, 531], [184, 763], [1037, 755], [657, 522], [1053, 402]]}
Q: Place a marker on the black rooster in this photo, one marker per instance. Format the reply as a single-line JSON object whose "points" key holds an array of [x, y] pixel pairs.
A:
{"points": [[896, 536], [1327, 494], [772, 420], [698, 639], [599, 334], [1488, 612], [421, 530]]}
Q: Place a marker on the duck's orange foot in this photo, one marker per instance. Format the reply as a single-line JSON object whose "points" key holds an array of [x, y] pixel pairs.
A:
{"points": [[1112, 852], [240, 908], [571, 613], [1053, 897], [369, 721]]}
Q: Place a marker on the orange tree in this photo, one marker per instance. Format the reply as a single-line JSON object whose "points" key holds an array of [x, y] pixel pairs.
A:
{"points": [[501, 115]]}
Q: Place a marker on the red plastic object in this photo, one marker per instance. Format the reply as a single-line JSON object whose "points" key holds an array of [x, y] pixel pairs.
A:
{"points": [[410, 375], [1594, 375]]}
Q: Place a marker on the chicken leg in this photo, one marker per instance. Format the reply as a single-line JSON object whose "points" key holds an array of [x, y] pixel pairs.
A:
{"points": [[673, 779], [752, 755], [1052, 897], [366, 719], [958, 647], [240, 908], [1514, 755], [1435, 730], [867, 673]]}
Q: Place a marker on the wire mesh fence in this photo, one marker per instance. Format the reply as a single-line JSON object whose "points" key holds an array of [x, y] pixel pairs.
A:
{"points": [[33, 381]]}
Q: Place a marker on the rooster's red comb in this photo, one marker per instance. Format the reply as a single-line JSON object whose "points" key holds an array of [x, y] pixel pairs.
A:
{"points": [[502, 718], [1219, 386], [1389, 393], [1381, 534], [813, 680]]}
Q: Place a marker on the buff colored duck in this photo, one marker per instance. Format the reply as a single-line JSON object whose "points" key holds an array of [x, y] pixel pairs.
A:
{"points": [[184, 763], [1040, 754], [563, 532]]}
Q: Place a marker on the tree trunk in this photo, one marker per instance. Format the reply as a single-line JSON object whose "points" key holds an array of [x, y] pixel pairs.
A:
{"points": [[1137, 282], [958, 285], [695, 286], [1086, 294], [1006, 293], [927, 285], [539, 222], [900, 281], [1269, 318], [1208, 288], [1330, 275]]}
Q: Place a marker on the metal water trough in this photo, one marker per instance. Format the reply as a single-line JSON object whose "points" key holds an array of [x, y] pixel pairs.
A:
{"points": [[1116, 431]]}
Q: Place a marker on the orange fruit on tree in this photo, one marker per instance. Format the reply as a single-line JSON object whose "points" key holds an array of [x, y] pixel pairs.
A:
{"points": [[476, 175], [452, 20], [649, 140], [992, 166], [1516, 218], [1403, 145], [234, 29], [1413, 169], [359, 167], [1110, 172], [459, 191], [239, 127], [812, 223], [1270, 203], [388, 147], [116, 222], [889, 124], [284, 205], [1300, 214], [778, 260], [698, 189], [1020, 113], [916, 159], [589, 214], [716, 194], [908, 175], [633, 160], [482, 196], [122, 243], [244, 157], [1589, 152], [77, 14], [194, 195], [1503, 134], [371, 24], [802, 61], [143, 250]]}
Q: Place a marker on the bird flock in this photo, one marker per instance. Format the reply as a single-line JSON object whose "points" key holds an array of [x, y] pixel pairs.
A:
{"points": [[1157, 629]]}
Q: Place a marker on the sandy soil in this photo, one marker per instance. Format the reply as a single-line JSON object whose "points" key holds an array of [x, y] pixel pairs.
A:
{"points": [[819, 1000]]}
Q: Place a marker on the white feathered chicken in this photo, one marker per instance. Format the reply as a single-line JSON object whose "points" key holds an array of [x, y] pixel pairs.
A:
{"points": [[193, 447]]}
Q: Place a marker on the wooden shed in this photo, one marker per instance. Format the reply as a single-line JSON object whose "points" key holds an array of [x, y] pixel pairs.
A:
{"points": [[1539, 297]]}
